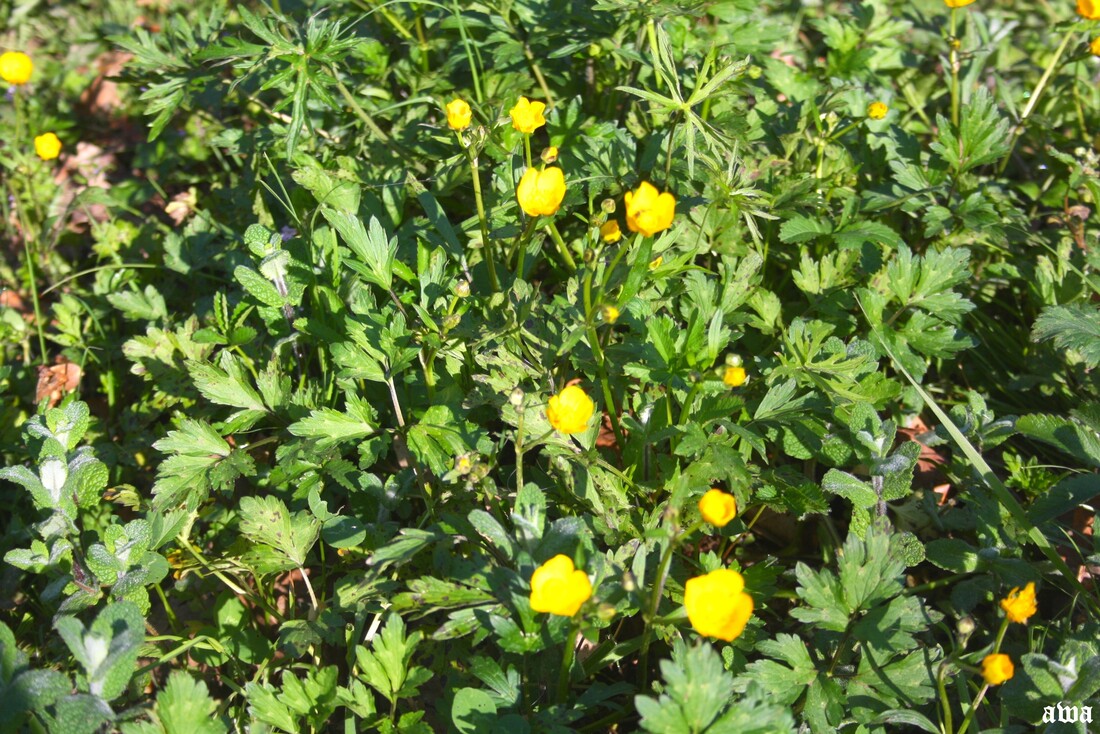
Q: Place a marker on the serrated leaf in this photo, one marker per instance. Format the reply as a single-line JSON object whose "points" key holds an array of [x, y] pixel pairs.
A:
{"points": [[266, 520]]}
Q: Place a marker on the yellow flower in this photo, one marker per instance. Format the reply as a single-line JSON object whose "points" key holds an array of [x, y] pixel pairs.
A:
{"points": [[656, 262], [549, 155], [877, 110], [717, 604], [15, 67], [1094, 47], [527, 115], [718, 507], [541, 192], [734, 376], [458, 114], [996, 669], [1020, 604], [1089, 9], [610, 314], [610, 232], [47, 146], [558, 588], [957, 3], [570, 410], [648, 211]]}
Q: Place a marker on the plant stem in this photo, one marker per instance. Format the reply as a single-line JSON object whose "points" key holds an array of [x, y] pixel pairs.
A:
{"points": [[655, 601], [954, 61], [519, 448], [567, 661], [486, 243], [945, 702], [521, 245], [973, 709], [357, 109], [597, 352], [1034, 99], [33, 285], [527, 148], [562, 248], [309, 588]]}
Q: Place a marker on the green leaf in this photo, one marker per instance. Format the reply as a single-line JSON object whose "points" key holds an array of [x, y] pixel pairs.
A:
{"points": [[184, 706], [198, 458], [1075, 327], [844, 484], [148, 305], [229, 385], [1067, 434], [385, 667], [330, 427], [473, 711], [375, 251], [107, 651], [266, 520]]}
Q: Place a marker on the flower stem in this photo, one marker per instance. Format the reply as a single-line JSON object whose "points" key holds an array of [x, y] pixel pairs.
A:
{"points": [[562, 248], [973, 709], [954, 61], [601, 365], [521, 245], [1036, 93], [527, 148], [655, 601], [486, 243], [567, 661], [519, 449]]}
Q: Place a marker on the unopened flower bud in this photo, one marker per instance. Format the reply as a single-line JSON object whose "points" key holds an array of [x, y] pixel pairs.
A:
{"points": [[733, 360], [549, 155], [608, 206], [451, 321], [462, 288], [516, 398]]}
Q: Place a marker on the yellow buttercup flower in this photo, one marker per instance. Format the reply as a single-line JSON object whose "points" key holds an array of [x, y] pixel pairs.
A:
{"points": [[649, 211], [717, 605], [1020, 604], [957, 3], [527, 115], [1094, 47], [610, 314], [570, 410], [15, 67], [718, 507], [734, 376], [47, 146], [610, 232], [877, 110], [458, 114], [559, 588], [540, 192], [1089, 9], [997, 668]]}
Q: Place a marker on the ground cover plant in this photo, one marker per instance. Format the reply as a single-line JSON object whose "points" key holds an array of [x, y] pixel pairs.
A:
{"points": [[549, 366]]}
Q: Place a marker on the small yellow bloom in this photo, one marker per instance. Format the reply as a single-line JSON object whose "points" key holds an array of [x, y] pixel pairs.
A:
{"points": [[47, 146], [1089, 9], [648, 211], [610, 232], [549, 155], [656, 262], [877, 110], [458, 114], [570, 410], [996, 669], [1094, 47], [717, 605], [1020, 604], [15, 67], [718, 507], [957, 3], [540, 192], [527, 115], [610, 314], [558, 588], [734, 376]]}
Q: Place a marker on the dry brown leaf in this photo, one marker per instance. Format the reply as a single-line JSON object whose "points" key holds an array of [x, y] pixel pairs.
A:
{"points": [[101, 96], [55, 381]]}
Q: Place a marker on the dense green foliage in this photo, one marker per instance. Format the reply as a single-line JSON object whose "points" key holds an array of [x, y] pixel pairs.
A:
{"points": [[279, 347]]}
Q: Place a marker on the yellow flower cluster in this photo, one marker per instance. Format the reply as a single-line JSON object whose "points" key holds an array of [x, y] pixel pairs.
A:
{"points": [[1020, 604], [648, 211], [570, 410], [47, 146], [16, 67], [997, 668], [717, 605], [540, 192], [559, 588], [718, 507], [459, 114]]}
